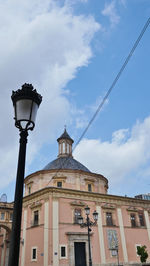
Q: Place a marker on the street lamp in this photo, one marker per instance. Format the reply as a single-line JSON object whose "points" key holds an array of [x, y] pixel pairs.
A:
{"points": [[88, 223], [26, 102]]}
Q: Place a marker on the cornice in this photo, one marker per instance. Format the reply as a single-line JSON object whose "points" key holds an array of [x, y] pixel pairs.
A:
{"points": [[78, 203], [6, 206], [36, 197], [132, 209], [108, 206], [89, 180], [65, 170], [36, 204], [85, 196], [59, 177]]}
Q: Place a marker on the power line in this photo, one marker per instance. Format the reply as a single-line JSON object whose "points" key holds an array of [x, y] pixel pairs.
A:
{"points": [[111, 87], [115, 81]]}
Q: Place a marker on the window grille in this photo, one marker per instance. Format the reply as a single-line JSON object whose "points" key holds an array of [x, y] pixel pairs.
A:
{"points": [[109, 220], [89, 187], [141, 219], [36, 218], [133, 220], [59, 184], [77, 213]]}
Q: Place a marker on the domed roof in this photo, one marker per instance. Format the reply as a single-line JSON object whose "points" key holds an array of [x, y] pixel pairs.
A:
{"points": [[65, 159], [66, 163]]}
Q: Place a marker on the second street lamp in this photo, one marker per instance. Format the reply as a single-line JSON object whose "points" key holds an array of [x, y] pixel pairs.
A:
{"points": [[88, 223], [26, 102]]}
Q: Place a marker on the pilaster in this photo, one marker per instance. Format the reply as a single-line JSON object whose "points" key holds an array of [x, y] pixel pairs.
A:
{"points": [[147, 223], [122, 234], [46, 231], [55, 232], [101, 235]]}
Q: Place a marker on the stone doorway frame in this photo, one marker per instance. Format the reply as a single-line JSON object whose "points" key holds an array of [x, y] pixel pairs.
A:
{"points": [[76, 237]]}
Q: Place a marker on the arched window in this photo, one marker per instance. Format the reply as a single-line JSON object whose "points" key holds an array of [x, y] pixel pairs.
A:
{"points": [[67, 148], [63, 147]]}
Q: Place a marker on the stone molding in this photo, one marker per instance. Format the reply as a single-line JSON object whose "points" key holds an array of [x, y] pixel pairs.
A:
{"points": [[36, 204], [132, 209], [60, 177], [89, 180], [78, 203], [108, 206], [90, 174], [85, 196]]}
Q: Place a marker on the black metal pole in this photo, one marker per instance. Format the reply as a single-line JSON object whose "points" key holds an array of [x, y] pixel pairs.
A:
{"points": [[89, 244], [118, 256], [17, 211]]}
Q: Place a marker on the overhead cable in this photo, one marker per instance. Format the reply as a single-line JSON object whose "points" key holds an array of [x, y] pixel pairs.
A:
{"points": [[114, 82], [111, 87]]}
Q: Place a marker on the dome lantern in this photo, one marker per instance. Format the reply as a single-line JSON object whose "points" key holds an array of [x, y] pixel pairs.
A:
{"points": [[65, 145]]}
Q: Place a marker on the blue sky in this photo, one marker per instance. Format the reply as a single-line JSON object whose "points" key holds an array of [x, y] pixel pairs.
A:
{"points": [[71, 52]]}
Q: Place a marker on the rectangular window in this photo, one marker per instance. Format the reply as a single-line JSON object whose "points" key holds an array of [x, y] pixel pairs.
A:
{"points": [[77, 213], [59, 184], [133, 220], [63, 251], [34, 254], [2, 216], [141, 219], [29, 190], [36, 218], [109, 220], [89, 187], [10, 216]]}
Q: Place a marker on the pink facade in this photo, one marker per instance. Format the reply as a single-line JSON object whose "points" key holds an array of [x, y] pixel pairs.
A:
{"points": [[56, 196]]}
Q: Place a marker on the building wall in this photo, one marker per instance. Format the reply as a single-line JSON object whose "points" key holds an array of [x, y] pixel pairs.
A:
{"points": [[70, 179], [62, 231], [5, 230], [56, 226]]}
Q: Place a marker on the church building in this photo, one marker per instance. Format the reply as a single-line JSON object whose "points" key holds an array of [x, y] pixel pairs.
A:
{"points": [[55, 197]]}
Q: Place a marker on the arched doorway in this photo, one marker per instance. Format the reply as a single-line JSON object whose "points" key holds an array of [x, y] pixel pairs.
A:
{"points": [[4, 244]]}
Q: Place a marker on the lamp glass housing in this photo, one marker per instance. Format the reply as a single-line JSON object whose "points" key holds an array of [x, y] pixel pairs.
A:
{"points": [[25, 112], [80, 220], [95, 216], [87, 210], [26, 102]]}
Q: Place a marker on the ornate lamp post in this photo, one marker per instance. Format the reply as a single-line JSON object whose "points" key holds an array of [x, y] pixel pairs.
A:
{"points": [[26, 102], [88, 223]]}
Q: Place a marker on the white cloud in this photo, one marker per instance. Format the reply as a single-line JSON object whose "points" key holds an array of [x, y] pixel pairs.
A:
{"points": [[110, 12], [42, 43], [120, 135], [127, 152]]}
